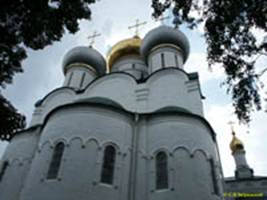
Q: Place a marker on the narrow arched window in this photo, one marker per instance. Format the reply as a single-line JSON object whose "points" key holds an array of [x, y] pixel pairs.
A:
{"points": [[176, 60], [162, 60], [82, 79], [108, 166], [3, 169], [161, 171], [56, 161], [69, 81]]}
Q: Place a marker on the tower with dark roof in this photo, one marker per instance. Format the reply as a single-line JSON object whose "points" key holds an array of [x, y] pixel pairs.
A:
{"points": [[244, 185]]}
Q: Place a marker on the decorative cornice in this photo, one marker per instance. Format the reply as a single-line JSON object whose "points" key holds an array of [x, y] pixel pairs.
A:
{"points": [[166, 45], [79, 65]]}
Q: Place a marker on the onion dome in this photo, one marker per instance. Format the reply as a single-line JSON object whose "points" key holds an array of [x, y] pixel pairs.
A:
{"points": [[85, 56], [236, 144], [125, 47], [165, 35]]}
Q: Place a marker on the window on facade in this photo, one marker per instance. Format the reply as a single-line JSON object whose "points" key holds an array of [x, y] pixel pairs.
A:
{"points": [[176, 60], [56, 161], [161, 171], [3, 169], [142, 76], [214, 179], [69, 81], [82, 79], [108, 166], [162, 60]]}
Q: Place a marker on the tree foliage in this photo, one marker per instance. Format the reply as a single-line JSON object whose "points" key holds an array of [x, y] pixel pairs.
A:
{"points": [[31, 24], [229, 26], [11, 121]]}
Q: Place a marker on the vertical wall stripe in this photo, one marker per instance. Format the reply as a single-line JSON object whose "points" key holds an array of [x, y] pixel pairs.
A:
{"points": [[213, 175]]}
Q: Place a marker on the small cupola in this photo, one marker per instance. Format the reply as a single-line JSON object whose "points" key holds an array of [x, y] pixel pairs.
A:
{"points": [[81, 65], [125, 57], [237, 147], [236, 144], [165, 47]]}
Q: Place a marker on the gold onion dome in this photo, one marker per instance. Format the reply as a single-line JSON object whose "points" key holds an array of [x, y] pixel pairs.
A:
{"points": [[125, 47], [236, 144]]}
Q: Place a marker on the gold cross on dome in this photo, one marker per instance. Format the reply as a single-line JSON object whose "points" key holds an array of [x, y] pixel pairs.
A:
{"points": [[92, 37], [136, 26], [231, 123], [162, 19]]}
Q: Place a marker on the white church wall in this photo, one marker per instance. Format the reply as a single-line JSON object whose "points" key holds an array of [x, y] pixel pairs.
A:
{"points": [[195, 96], [78, 77], [163, 89], [133, 65], [169, 88], [166, 88], [19, 154], [85, 130], [164, 57], [192, 172], [117, 87], [189, 146], [79, 168], [15, 173], [36, 177], [240, 159], [54, 99], [247, 186]]}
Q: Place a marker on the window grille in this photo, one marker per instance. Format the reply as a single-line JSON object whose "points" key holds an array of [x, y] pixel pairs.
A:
{"points": [[56, 161], [108, 166], [161, 170]]}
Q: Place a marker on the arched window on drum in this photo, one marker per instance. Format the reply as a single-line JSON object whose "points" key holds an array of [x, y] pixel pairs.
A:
{"points": [[55, 161], [108, 166], [162, 181]]}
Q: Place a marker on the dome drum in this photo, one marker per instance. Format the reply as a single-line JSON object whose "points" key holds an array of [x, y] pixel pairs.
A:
{"points": [[79, 75], [133, 65], [164, 56], [128, 47], [166, 37], [86, 57], [81, 65]]}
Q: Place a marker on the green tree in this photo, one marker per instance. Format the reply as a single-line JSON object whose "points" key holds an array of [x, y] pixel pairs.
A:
{"points": [[228, 26], [31, 24]]}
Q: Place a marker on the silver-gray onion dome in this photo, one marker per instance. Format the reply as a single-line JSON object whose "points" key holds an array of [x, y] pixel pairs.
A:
{"points": [[87, 56], [165, 35]]}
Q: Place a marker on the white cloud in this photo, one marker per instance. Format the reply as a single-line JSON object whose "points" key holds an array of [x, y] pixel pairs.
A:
{"points": [[197, 63]]}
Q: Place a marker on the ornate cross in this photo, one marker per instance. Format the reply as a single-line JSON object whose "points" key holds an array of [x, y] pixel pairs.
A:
{"points": [[162, 19], [92, 37], [136, 26]]}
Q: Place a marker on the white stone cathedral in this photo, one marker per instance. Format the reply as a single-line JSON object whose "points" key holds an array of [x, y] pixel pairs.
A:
{"points": [[131, 129]]}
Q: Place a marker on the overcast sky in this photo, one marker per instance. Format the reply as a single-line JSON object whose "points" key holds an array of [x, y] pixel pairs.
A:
{"points": [[43, 73]]}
